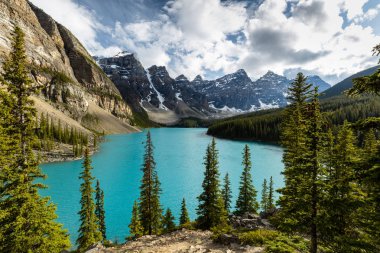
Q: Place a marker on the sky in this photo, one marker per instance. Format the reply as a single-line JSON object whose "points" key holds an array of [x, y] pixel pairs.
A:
{"points": [[329, 38]]}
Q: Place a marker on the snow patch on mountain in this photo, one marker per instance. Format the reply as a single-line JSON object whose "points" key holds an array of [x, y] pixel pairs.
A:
{"points": [[161, 99]]}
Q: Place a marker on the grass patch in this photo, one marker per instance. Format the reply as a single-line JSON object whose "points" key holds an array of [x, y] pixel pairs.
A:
{"points": [[274, 241]]}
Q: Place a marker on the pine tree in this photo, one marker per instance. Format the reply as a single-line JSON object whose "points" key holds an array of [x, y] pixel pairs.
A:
{"points": [[184, 219], [135, 227], [168, 221], [293, 205], [301, 137], [89, 233], [344, 197], [314, 168], [226, 193], [149, 206], [210, 209], [270, 194], [246, 202], [264, 197], [27, 220], [99, 210]]}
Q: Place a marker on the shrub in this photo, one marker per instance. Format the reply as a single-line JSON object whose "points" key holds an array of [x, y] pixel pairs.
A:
{"points": [[258, 237]]}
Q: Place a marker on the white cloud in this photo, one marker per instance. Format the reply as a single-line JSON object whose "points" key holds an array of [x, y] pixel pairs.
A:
{"points": [[81, 21], [199, 37]]}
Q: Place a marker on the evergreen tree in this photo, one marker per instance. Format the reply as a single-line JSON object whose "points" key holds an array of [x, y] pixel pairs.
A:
{"points": [[246, 202], [210, 209], [168, 221], [150, 208], [270, 194], [264, 197], [89, 232], [184, 219], [344, 197], [27, 220], [302, 130], [99, 210], [135, 227], [226, 193]]}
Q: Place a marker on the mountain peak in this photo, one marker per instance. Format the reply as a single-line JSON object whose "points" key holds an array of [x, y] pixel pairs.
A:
{"points": [[181, 78], [198, 78]]}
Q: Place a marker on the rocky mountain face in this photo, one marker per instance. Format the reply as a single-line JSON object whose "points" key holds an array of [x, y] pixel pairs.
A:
{"points": [[154, 91], [72, 82]]}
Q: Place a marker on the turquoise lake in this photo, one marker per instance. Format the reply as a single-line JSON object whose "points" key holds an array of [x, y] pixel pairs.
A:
{"points": [[179, 156]]}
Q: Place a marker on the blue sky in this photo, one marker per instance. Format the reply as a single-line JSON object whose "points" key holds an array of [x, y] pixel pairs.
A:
{"points": [[330, 38]]}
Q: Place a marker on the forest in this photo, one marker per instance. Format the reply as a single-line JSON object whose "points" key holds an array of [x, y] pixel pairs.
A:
{"points": [[330, 201], [265, 125]]}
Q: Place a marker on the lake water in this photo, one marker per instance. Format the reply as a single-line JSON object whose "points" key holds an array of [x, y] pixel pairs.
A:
{"points": [[179, 156]]}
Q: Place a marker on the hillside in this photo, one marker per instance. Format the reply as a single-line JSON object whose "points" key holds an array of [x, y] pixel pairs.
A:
{"points": [[346, 84], [265, 125], [74, 88]]}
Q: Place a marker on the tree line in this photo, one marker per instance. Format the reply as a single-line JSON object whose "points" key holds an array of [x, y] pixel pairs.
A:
{"points": [[266, 125], [50, 132]]}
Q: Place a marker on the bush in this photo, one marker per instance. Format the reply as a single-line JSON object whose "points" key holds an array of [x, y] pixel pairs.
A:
{"points": [[274, 241], [258, 237]]}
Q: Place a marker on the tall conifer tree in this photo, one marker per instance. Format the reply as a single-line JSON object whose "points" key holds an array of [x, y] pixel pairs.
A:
{"points": [[27, 220], [89, 232], [184, 219], [344, 196], [210, 209], [246, 202], [226, 193], [271, 204], [264, 196], [149, 206], [99, 210]]}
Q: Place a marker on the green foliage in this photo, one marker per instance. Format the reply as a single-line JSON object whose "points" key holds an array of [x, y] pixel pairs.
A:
{"points": [[264, 196], [227, 193], [265, 125], [274, 241], [89, 232], [150, 189], [168, 222], [184, 219], [210, 209], [246, 201], [99, 210], [135, 228], [27, 220], [270, 194], [49, 131], [301, 138], [367, 84]]}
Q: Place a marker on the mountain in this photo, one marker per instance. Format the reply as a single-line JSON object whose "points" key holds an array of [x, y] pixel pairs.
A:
{"points": [[237, 93], [166, 100], [75, 90], [346, 84], [152, 90]]}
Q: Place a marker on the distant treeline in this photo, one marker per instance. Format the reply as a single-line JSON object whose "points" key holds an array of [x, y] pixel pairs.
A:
{"points": [[265, 125], [49, 132]]}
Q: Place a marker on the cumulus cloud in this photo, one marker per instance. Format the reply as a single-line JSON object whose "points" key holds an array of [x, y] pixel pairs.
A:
{"points": [[213, 36]]}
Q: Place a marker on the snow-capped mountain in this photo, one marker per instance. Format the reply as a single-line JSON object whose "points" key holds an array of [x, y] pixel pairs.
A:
{"points": [[154, 90]]}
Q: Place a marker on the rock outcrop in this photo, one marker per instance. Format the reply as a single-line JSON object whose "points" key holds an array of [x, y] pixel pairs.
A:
{"points": [[72, 81], [181, 241]]}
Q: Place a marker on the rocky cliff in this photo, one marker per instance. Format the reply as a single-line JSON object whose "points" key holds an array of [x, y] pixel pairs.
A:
{"points": [[72, 81]]}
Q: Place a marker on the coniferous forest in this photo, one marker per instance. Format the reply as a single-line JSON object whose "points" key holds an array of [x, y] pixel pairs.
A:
{"points": [[329, 202]]}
